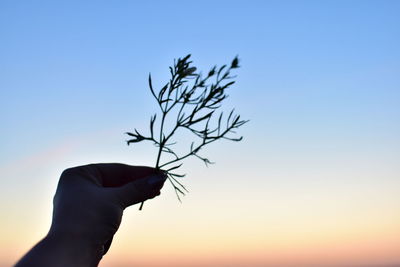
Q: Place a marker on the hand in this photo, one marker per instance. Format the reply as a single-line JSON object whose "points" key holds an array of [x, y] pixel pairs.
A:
{"points": [[88, 207]]}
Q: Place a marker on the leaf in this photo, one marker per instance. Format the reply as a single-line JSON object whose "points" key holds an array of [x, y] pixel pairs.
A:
{"points": [[230, 115], [187, 57], [220, 69], [152, 120], [174, 168], [177, 175], [179, 190], [133, 141], [211, 72], [151, 87], [161, 93], [165, 100], [219, 119], [235, 63], [131, 134], [228, 84], [172, 175], [208, 115]]}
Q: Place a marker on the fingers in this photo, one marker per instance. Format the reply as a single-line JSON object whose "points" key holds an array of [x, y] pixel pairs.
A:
{"points": [[116, 174], [139, 190], [125, 184]]}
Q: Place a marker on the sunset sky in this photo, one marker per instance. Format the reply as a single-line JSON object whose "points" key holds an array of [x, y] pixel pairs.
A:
{"points": [[316, 180]]}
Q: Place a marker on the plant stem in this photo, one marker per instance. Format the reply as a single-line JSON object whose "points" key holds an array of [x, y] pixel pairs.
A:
{"points": [[161, 141], [195, 105]]}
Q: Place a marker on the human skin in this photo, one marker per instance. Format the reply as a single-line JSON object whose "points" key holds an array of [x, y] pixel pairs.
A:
{"points": [[87, 211]]}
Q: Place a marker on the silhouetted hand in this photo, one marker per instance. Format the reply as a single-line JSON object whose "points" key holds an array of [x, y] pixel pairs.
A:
{"points": [[88, 207]]}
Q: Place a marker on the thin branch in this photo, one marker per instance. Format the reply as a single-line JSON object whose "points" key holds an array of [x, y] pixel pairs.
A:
{"points": [[194, 99]]}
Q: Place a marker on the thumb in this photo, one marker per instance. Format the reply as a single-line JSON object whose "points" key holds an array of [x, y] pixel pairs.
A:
{"points": [[139, 190]]}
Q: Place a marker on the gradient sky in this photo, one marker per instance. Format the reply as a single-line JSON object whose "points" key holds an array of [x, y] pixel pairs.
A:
{"points": [[316, 181]]}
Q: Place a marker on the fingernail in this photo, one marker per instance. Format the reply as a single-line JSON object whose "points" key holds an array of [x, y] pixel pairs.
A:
{"points": [[154, 179]]}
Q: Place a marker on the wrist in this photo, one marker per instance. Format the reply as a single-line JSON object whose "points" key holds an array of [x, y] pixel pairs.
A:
{"points": [[57, 250], [74, 250]]}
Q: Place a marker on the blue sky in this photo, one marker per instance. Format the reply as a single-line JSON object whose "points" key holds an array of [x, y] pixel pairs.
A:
{"points": [[75, 67], [319, 81]]}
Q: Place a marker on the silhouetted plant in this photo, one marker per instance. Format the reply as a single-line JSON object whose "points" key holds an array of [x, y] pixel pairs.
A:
{"points": [[192, 100]]}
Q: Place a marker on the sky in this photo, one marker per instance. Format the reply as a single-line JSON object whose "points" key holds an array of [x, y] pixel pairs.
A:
{"points": [[316, 179]]}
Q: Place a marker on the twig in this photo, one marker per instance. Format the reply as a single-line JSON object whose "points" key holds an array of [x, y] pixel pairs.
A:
{"points": [[196, 101]]}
